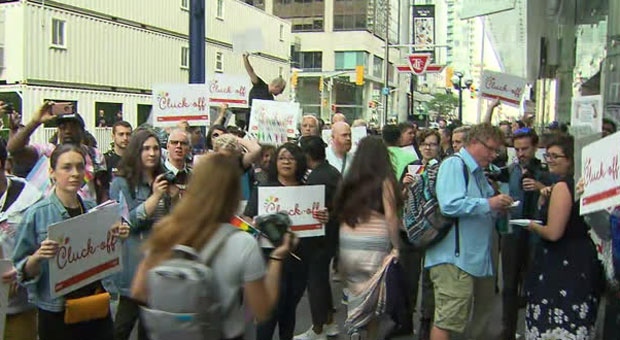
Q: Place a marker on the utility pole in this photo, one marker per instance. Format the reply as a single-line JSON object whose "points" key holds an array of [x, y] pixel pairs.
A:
{"points": [[197, 41], [386, 78]]}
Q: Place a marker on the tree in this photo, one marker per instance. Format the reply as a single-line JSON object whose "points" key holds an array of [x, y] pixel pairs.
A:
{"points": [[443, 104]]}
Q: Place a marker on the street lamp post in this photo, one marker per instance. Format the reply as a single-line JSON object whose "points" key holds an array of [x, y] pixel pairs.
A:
{"points": [[457, 82]]}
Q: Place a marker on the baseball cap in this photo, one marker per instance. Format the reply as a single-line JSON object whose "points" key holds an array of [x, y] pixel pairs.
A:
{"points": [[75, 117]]}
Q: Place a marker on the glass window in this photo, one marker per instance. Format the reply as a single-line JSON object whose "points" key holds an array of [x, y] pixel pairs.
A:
{"points": [[308, 61], [106, 114], [377, 67], [185, 4], [347, 60], [305, 15], [184, 57], [219, 62], [220, 9], [58, 33]]}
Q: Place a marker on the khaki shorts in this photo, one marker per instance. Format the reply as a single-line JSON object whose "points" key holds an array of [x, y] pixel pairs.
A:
{"points": [[454, 291]]}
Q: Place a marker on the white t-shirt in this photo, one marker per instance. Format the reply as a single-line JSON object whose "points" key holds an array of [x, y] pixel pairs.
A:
{"points": [[239, 261]]}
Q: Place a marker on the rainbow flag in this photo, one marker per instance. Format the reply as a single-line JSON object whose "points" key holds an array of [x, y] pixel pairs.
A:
{"points": [[39, 176], [243, 225]]}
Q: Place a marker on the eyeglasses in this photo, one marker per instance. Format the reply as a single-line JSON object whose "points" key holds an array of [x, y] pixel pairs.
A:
{"points": [[429, 145], [492, 150], [178, 142], [287, 159], [553, 156]]}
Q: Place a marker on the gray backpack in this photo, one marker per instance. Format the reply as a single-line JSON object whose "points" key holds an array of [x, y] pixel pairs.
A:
{"points": [[184, 300]]}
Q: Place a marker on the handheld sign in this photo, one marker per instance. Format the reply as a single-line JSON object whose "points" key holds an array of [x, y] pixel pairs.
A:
{"points": [[600, 165], [88, 249], [298, 202]]}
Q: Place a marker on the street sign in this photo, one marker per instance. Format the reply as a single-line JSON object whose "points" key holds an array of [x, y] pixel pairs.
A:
{"points": [[419, 64]]}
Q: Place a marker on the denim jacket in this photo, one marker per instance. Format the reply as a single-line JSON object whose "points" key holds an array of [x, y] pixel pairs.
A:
{"points": [[140, 225], [33, 231]]}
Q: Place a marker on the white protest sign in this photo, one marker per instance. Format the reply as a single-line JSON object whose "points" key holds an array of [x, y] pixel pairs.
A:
{"points": [[507, 88], [5, 266], [272, 122], [298, 202], [586, 115], [600, 165], [250, 40], [173, 103], [88, 250], [231, 90]]}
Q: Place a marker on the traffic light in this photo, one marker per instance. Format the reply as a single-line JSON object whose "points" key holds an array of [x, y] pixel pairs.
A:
{"points": [[294, 79], [359, 75], [472, 92], [321, 84]]}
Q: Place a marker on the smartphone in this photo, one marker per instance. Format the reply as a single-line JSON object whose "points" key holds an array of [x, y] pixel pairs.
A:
{"points": [[65, 108]]}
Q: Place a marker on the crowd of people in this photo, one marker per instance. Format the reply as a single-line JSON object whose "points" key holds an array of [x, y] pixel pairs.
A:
{"points": [[183, 188]]}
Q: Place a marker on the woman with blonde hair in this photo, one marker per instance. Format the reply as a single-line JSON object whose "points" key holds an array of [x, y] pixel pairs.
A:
{"points": [[210, 202]]}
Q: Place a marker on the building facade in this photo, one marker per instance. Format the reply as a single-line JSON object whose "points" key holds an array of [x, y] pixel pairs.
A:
{"points": [[105, 56], [333, 37]]}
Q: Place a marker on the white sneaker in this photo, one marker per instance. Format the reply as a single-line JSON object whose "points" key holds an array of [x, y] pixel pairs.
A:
{"points": [[331, 329], [310, 335]]}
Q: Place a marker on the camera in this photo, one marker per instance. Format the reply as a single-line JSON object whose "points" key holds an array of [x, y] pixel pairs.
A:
{"points": [[170, 177], [274, 226]]}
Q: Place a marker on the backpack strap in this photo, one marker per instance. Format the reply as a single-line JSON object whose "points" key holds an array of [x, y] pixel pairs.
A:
{"points": [[15, 188], [457, 237], [208, 253]]}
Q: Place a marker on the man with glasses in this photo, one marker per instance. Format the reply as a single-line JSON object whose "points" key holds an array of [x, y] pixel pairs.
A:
{"points": [[177, 167], [526, 178], [461, 265]]}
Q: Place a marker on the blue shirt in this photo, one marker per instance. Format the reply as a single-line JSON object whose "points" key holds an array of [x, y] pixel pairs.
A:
{"points": [[476, 220], [33, 231], [140, 228]]}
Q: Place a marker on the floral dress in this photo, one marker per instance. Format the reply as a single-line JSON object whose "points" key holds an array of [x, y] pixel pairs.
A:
{"points": [[564, 285]]}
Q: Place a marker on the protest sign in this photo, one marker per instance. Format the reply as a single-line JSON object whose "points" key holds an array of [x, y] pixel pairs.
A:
{"points": [[88, 250], [250, 40], [5, 266], [174, 103], [586, 116], [231, 90], [600, 169], [273, 122], [298, 202], [507, 88]]}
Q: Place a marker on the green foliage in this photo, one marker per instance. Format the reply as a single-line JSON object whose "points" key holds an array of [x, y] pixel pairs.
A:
{"points": [[443, 104]]}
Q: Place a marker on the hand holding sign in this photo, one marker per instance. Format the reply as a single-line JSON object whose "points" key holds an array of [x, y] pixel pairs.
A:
{"points": [[47, 250]]}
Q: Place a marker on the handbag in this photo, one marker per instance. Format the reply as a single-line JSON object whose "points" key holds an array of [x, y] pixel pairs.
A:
{"points": [[93, 307]]}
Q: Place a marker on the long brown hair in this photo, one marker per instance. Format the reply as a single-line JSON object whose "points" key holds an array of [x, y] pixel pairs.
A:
{"points": [[361, 190], [212, 198]]}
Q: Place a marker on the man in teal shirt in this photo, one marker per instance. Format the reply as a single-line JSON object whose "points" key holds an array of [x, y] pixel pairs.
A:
{"points": [[400, 158]]}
